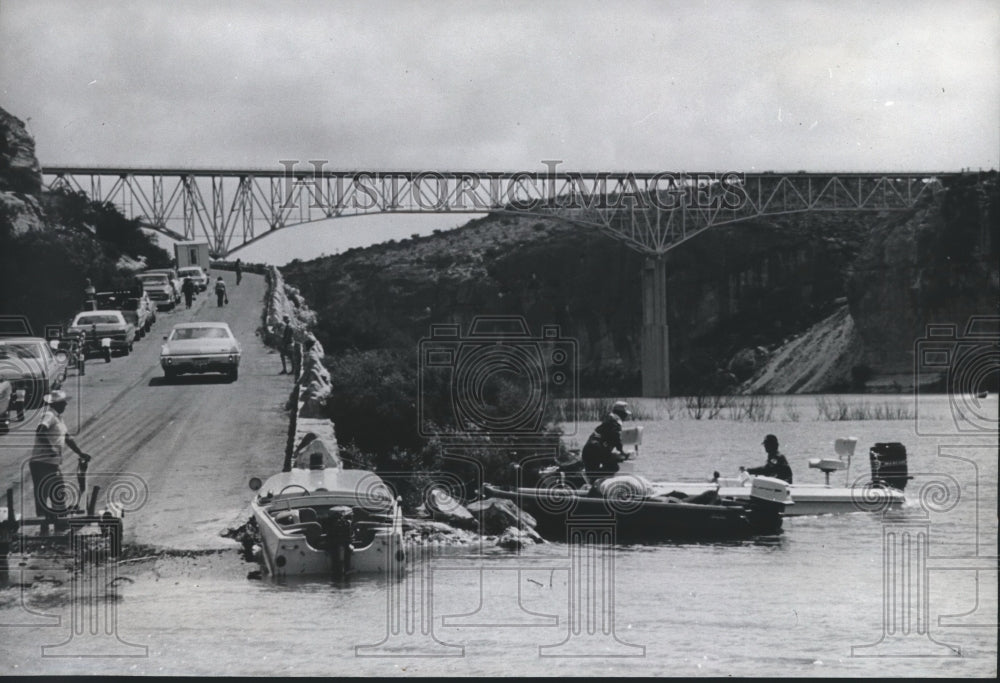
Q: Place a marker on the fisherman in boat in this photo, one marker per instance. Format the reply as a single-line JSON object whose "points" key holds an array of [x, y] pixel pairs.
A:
{"points": [[599, 456], [777, 465]]}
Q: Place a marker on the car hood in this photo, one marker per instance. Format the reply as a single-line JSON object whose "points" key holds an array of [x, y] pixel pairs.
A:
{"points": [[190, 347]]}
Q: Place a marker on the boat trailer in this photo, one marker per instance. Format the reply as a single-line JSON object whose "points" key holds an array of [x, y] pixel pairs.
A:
{"points": [[86, 534]]}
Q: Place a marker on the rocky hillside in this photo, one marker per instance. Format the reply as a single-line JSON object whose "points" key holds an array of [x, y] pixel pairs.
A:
{"points": [[51, 242]]}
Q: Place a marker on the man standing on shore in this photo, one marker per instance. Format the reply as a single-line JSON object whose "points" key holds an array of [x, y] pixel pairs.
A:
{"points": [[51, 437], [286, 346]]}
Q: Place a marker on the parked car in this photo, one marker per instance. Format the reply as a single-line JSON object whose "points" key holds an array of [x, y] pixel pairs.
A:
{"points": [[28, 363], [200, 347], [97, 325], [134, 304], [140, 311], [196, 274], [171, 274], [160, 289]]}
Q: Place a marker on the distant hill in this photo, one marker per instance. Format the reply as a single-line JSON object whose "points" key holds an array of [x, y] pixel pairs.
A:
{"points": [[736, 295]]}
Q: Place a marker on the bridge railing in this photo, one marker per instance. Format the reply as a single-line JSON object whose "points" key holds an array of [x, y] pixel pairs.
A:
{"points": [[652, 212]]}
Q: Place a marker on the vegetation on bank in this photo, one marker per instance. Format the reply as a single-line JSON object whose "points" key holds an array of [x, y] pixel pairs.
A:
{"points": [[43, 272], [409, 431], [743, 408]]}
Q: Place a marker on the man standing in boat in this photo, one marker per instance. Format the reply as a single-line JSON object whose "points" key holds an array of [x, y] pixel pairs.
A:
{"points": [[599, 456], [777, 465]]}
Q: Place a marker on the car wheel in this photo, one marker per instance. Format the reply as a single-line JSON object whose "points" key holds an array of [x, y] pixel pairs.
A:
{"points": [[170, 373], [234, 374]]}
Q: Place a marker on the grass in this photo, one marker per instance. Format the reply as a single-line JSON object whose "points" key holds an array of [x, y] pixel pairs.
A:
{"points": [[748, 408]]}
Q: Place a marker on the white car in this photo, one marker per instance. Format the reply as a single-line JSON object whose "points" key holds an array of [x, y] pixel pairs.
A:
{"points": [[200, 347], [196, 274]]}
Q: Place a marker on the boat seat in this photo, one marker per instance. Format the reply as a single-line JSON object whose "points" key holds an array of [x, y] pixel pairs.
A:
{"points": [[307, 515], [307, 528]]}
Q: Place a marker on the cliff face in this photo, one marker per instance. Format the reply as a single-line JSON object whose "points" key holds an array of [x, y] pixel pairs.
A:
{"points": [[20, 178], [19, 169], [936, 266]]}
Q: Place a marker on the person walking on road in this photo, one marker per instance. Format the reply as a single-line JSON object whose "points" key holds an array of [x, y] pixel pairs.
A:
{"points": [[220, 292], [45, 463], [188, 289], [239, 271], [286, 346]]}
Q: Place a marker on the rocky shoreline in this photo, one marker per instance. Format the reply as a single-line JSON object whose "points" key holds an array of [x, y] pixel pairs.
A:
{"points": [[441, 521]]}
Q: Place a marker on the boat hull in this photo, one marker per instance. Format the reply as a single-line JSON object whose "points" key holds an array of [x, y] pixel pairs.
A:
{"points": [[292, 554], [560, 512], [809, 500]]}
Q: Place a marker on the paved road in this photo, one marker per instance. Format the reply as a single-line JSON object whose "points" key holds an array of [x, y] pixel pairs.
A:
{"points": [[192, 443]]}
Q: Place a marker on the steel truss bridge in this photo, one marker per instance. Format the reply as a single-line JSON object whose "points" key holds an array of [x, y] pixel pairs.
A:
{"points": [[651, 212]]}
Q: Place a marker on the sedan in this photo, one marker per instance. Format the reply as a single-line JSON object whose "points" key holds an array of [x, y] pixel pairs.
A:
{"points": [[200, 347], [196, 274], [28, 364], [106, 324]]}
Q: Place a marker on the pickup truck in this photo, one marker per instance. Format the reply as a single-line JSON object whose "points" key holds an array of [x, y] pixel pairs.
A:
{"points": [[134, 303], [159, 288], [96, 325]]}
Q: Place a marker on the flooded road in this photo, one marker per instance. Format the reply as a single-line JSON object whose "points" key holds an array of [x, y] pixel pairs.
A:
{"points": [[810, 601]]}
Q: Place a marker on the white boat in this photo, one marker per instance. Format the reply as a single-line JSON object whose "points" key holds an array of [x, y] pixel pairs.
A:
{"points": [[883, 491], [319, 519]]}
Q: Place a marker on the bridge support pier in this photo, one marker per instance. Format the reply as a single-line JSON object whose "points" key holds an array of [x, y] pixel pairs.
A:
{"points": [[655, 338]]}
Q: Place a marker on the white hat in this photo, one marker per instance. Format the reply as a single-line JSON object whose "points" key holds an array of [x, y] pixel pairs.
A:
{"points": [[621, 407], [57, 396]]}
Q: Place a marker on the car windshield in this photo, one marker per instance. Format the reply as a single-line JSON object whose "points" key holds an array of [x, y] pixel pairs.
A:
{"points": [[154, 279], [200, 333], [191, 272], [20, 350], [97, 320]]}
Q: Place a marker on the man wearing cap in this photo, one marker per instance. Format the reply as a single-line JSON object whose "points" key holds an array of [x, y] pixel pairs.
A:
{"points": [[776, 465], [51, 436], [286, 346], [598, 454]]}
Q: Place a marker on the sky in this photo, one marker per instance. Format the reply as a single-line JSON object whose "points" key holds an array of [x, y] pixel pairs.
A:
{"points": [[711, 85]]}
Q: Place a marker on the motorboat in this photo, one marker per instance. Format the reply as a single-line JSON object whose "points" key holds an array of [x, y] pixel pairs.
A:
{"points": [[883, 491], [640, 510], [318, 519]]}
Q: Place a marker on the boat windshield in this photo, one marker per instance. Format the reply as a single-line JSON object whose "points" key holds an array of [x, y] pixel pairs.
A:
{"points": [[20, 350]]}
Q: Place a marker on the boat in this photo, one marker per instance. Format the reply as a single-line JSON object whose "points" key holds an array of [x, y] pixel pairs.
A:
{"points": [[642, 512], [885, 489], [318, 519]]}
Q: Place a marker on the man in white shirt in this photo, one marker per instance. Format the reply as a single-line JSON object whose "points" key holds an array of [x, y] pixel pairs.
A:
{"points": [[51, 438]]}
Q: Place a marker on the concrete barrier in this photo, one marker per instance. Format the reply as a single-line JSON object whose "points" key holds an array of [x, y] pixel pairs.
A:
{"points": [[307, 403]]}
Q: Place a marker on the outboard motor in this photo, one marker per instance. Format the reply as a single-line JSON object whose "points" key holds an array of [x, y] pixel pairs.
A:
{"points": [[888, 462], [768, 498], [337, 529]]}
